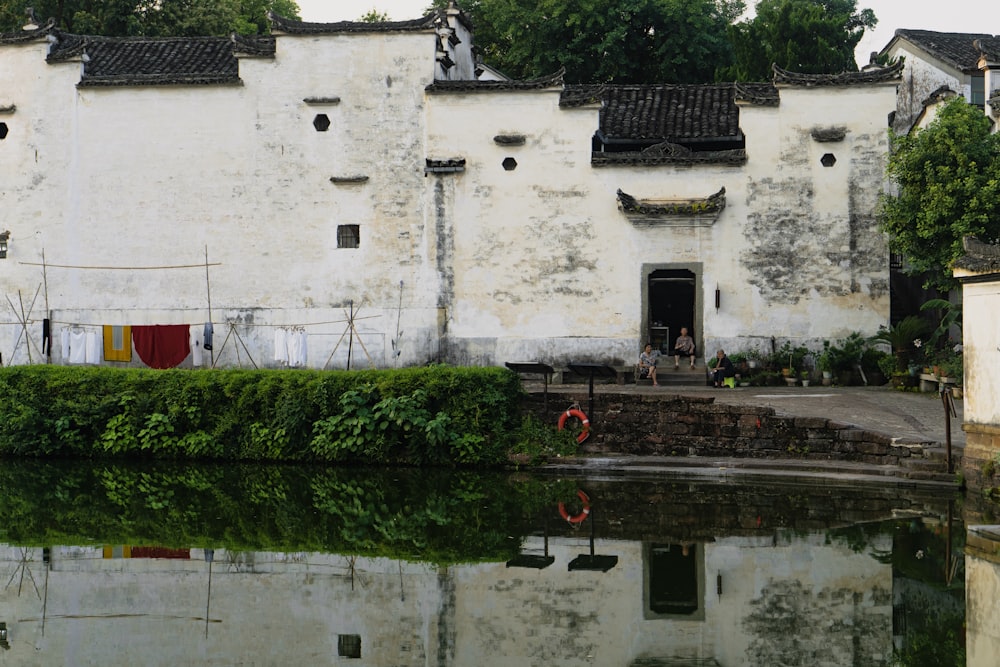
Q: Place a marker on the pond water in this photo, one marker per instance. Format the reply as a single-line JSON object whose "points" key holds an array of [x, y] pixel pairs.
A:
{"points": [[271, 565]]}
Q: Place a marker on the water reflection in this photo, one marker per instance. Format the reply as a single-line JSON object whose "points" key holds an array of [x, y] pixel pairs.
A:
{"points": [[274, 566]]}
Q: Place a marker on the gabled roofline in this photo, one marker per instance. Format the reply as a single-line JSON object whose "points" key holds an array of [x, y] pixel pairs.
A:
{"points": [[288, 26]]}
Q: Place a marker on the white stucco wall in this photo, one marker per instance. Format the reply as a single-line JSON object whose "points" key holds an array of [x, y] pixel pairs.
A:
{"points": [[922, 75], [154, 176], [481, 266], [548, 267], [981, 351]]}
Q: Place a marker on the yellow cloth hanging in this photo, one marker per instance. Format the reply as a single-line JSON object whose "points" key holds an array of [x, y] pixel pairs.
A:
{"points": [[117, 343]]}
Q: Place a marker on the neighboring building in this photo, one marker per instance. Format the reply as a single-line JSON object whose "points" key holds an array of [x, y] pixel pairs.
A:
{"points": [[355, 181], [937, 62], [979, 272]]}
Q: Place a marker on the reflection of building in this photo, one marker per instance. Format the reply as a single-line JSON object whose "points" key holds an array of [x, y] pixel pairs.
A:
{"points": [[740, 600], [982, 585]]}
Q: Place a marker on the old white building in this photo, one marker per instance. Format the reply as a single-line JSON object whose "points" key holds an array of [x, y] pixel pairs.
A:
{"points": [[354, 186], [941, 63]]}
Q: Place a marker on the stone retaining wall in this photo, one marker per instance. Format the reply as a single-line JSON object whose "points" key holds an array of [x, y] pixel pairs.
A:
{"points": [[674, 425]]}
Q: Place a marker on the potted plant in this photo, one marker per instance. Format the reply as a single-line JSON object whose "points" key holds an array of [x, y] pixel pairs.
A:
{"points": [[904, 338]]}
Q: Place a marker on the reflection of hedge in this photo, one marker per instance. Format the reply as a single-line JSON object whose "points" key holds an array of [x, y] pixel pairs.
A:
{"points": [[429, 515], [432, 415]]}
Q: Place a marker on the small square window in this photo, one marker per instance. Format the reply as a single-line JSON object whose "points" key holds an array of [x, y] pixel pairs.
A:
{"points": [[349, 646], [348, 236]]}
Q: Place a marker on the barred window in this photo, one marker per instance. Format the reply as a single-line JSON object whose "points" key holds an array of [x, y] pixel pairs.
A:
{"points": [[348, 236]]}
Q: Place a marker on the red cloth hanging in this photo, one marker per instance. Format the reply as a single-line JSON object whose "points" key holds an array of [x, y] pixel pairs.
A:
{"points": [[162, 345]]}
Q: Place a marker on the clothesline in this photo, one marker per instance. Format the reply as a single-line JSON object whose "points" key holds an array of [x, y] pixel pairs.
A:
{"points": [[122, 268], [77, 323]]}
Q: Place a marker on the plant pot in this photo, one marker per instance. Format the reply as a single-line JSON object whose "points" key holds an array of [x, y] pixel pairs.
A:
{"points": [[791, 382], [805, 383], [956, 392], [752, 363]]}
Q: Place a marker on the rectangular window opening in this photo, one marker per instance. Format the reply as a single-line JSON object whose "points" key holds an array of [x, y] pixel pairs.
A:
{"points": [[348, 236], [349, 646]]}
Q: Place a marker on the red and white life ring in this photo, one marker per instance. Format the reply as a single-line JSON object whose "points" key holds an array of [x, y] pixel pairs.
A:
{"points": [[573, 412], [576, 518]]}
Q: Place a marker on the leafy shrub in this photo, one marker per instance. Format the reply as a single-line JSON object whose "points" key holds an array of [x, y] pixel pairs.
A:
{"points": [[433, 415]]}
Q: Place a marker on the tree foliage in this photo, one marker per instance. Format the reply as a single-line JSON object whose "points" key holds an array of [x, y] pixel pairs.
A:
{"points": [[374, 16], [598, 41], [809, 36], [948, 180], [150, 18]]}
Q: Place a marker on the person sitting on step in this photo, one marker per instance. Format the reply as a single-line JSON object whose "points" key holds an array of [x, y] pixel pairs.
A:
{"points": [[647, 364], [684, 347]]}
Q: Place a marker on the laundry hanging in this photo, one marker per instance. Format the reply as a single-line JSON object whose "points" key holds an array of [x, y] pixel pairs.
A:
{"points": [[291, 346], [74, 345], [196, 341], [161, 345]]}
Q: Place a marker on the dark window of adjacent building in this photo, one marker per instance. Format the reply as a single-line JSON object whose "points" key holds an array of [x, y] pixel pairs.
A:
{"points": [[349, 646], [348, 236], [978, 90]]}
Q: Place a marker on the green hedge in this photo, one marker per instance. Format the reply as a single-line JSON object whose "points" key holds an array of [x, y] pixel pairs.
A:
{"points": [[434, 415]]}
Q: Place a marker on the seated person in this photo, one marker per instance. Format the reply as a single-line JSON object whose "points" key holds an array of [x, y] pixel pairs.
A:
{"points": [[647, 364], [723, 369], [684, 347]]}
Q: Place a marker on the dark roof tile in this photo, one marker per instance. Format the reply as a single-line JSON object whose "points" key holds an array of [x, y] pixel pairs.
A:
{"points": [[22, 36], [955, 48], [868, 75], [293, 27], [670, 112], [979, 257], [130, 61], [554, 80]]}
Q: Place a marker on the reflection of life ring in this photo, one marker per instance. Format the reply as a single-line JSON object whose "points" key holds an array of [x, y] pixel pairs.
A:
{"points": [[573, 412], [576, 518]]}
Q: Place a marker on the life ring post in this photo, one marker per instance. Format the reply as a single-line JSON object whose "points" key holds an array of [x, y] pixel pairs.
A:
{"points": [[577, 414]]}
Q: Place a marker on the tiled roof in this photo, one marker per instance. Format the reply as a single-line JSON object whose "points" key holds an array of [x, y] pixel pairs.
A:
{"points": [[554, 80], [954, 48], [292, 27], [988, 47], [734, 157], [131, 61], [669, 112], [979, 257], [22, 36], [761, 94], [581, 94], [892, 72]]}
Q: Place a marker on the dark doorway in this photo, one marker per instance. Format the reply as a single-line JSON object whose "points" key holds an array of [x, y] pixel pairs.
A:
{"points": [[673, 579], [670, 307]]}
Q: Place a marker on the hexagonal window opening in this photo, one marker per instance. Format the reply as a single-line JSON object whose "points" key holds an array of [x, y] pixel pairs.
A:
{"points": [[509, 164], [3, 130], [828, 160], [321, 122]]}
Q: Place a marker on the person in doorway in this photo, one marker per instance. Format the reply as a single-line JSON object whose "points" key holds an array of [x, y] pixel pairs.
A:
{"points": [[684, 347], [723, 369], [647, 364]]}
